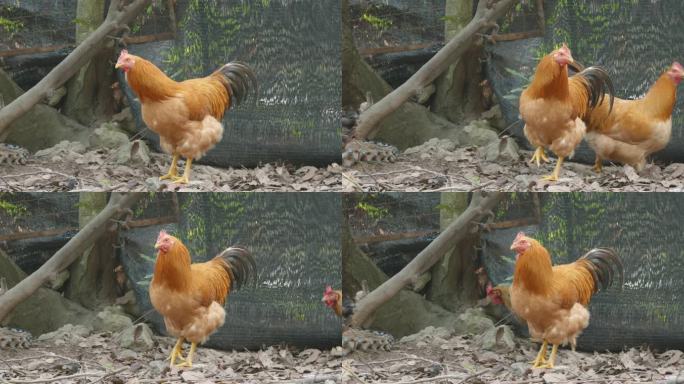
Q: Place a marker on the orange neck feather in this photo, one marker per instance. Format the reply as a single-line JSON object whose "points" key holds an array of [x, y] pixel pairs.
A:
{"points": [[173, 267], [533, 270], [338, 303], [149, 82], [661, 98], [550, 80]]}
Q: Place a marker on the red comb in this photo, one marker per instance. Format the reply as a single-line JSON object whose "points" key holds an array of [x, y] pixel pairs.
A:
{"points": [[677, 66], [162, 234], [328, 289], [123, 53]]}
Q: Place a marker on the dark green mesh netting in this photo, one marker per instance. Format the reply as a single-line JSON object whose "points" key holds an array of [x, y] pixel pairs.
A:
{"points": [[294, 239], [640, 227], [635, 40], [293, 46]]}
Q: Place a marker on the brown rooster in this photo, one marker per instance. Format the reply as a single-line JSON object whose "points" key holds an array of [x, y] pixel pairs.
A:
{"points": [[191, 297], [187, 115]]}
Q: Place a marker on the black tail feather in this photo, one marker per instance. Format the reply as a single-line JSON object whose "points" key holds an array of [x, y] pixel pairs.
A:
{"points": [[604, 264], [241, 266], [240, 79], [598, 84]]}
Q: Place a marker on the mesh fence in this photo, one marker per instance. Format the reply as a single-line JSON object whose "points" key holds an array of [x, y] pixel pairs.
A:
{"points": [[293, 237], [631, 39], [293, 46], [641, 228], [397, 36]]}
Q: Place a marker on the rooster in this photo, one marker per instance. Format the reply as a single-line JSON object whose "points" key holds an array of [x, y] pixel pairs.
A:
{"points": [[553, 299], [191, 297], [635, 128], [554, 105], [187, 115], [334, 300]]}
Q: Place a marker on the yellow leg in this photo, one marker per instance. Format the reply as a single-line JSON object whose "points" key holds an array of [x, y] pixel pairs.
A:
{"points": [[539, 156], [186, 174], [541, 356], [173, 171], [556, 172], [598, 164], [188, 361], [552, 359], [177, 351]]}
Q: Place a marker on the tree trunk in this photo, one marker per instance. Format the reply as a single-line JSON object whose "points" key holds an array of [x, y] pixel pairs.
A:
{"points": [[454, 283], [116, 208], [480, 206], [411, 124], [89, 92], [488, 11], [458, 92], [118, 16], [91, 277], [404, 314]]}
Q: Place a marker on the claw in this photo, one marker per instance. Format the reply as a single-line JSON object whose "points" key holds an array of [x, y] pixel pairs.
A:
{"points": [[180, 180], [173, 170], [598, 165], [556, 171], [539, 156]]}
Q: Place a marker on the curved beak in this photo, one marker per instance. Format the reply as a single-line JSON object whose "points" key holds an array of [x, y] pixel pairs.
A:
{"points": [[157, 245], [118, 65]]}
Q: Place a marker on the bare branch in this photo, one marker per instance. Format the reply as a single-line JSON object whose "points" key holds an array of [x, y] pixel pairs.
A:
{"points": [[488, 11], [117, 19], [479, 207], [118, 203]]}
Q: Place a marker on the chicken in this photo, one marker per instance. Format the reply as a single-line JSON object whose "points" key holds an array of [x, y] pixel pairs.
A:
{"points": [[334, 300], [635, 128], [187, 115], [553, 299], [554, 105], [501, 294], [191, 297]]}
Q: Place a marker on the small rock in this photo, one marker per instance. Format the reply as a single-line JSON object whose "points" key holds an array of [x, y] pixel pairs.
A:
{"points": [[68, 331], [153, 183], [135, 152], [108, 136], [519, 369], [156, 367], [499, 339], [63, 147], [506, 150], [137, 337], [478, 133], [474, 321], [127, 354], [112, 319]]}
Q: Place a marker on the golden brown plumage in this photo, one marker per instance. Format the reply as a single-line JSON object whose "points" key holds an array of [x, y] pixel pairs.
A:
{"points": [[333, 300], [189, 296], [553, 299], [554, 105], [635, 128], [187, 115]]}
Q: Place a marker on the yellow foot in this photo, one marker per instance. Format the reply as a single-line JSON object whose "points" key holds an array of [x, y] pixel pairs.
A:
{"points": [[185, 363], [536, 363], [598, 167], [551, 177], [547, 365], [539, 156], [169, 176], [181, 180]]}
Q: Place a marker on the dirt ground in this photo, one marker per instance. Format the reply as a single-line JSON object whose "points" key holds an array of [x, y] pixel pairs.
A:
{"points": [[97, 358], [435, 356], [96, 170], [463, 169]]}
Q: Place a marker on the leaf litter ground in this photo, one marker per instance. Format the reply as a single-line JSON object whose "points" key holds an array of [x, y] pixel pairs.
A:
{"points": [[96, 170], [435, 356], [97, 358], [464, 169]]}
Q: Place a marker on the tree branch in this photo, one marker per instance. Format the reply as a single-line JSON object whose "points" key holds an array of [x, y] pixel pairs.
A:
{"points": [[117, 207], [480, 206], [118, 16], [488, 11]]}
